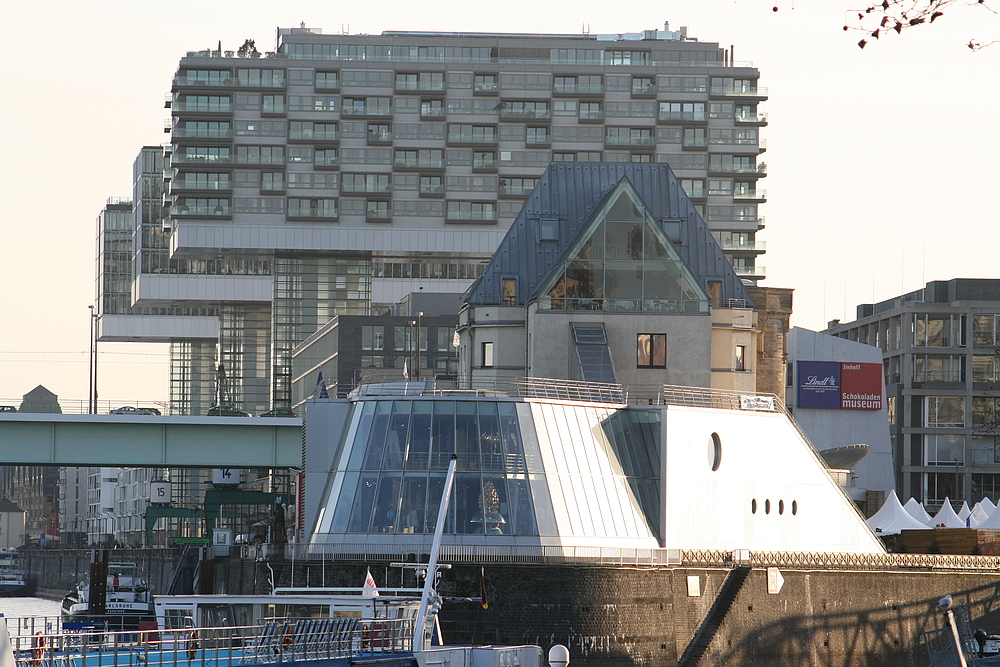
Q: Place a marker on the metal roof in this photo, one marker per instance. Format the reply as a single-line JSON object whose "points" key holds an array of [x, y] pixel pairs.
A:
{"points": [[566, 198]]}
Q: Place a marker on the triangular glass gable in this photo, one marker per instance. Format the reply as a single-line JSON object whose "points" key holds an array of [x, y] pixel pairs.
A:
{"points": [[624, 262]]}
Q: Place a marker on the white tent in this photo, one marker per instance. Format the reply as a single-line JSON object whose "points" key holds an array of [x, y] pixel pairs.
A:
{"points": [[964, 511], [947, 516], [991, 523], [917, 511], [892, 518], [979, 514], [988, 505]]}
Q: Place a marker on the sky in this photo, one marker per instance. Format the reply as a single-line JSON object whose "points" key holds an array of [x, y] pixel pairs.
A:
{"points": [[879, 159]]}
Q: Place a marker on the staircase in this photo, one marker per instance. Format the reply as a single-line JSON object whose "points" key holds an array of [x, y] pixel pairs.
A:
{"points": [[716, 615]]}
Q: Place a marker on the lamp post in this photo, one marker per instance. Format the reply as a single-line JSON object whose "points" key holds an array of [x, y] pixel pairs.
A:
{"points": [[92, 382], [416, 369]]}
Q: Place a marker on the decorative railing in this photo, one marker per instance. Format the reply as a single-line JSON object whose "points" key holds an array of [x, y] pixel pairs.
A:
{"points": [[635, 557]]}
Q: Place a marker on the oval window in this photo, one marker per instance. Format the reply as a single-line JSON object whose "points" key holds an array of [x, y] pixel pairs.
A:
{"points": [[781, 507], [753, 506], [714, 451], [795, 507], [767, 506]]}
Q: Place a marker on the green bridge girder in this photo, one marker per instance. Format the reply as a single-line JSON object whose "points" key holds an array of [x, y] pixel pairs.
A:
{"points": [[214, 499], [150, 441]]}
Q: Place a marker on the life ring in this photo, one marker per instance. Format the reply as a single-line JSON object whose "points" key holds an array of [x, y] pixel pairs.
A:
{"points": [[38, 648], [192, 645], [288, 639]]}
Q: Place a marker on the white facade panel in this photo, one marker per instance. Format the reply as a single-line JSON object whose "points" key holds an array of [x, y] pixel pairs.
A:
{"points": [[151, 289], [770, 491], [156, 328]]}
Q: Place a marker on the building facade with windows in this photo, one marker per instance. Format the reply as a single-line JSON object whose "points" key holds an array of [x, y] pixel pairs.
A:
{"points": [[609, 275], [941, 360], [342, 172]]}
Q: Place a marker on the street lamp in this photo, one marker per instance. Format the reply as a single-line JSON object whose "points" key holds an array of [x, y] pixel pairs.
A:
{"points": [[92, 386], [416, 369]]}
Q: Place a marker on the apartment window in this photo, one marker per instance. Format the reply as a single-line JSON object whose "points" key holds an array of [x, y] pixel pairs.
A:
{"points": [[984, 368], [985, 330], [931, 330], [487, 352], [485, 83], [938, 368], [651, 350], [986, 414], [642, 85], [943, 450], [741, 358], [944, 411], [508, 291], [538, 135], [694, 187], [372, 337]]}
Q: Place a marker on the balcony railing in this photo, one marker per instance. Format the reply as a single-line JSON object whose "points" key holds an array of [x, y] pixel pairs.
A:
{"points": [[471, 138], [751, 118], [486, 88], [420, 86], [750, 271], [753, 195], [591, 115], [694, 142], [525, 114], [683, 116], [738, 91], [629, 141], [195, 133], [365, 188], [745, 246], [419, 163], [433, 113], [578, 89], [735, 168], [360, 112]]}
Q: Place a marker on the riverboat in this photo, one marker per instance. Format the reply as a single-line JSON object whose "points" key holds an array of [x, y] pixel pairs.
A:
{"points": [[13, 578], [128, 600]]}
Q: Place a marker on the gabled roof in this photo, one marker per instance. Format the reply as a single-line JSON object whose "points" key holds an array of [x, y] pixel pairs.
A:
{"points": [[564, 203], [7, 505]]}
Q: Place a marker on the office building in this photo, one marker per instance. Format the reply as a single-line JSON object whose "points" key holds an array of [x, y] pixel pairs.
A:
{"points": [[340, 173], [940, 361]]}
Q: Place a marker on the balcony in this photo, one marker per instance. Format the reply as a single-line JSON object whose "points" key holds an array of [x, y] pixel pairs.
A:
{"points": [[685, 117], [211, 160], [525, 114], [314, 135], [756, 272], [591, 116], [484, 166], [759, 196], [644, 90], [738, 91], [377, 214], [321, 162], [419, 86], [630, 141], [694, 143], [746, 246], [740, 169], [472, 139], [431, 190], [365, 188], [185, 210], [486, 88], [578, 89], [365, 112], [418, 163], [379, 137], [751, 119], [196, 133], [507, 190], [434, 113], [471, 216]]}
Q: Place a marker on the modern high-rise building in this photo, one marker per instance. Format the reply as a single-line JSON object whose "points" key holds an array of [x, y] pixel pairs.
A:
{"points": [[941, 358], [340, 173]]}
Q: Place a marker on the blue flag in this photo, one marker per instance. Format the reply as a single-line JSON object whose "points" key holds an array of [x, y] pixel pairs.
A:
{"points": [[320, 387]]}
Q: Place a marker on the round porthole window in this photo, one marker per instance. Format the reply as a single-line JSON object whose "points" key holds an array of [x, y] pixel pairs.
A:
{"points": [[781, 507], [714, 451], [753, 506], [767, 506]]}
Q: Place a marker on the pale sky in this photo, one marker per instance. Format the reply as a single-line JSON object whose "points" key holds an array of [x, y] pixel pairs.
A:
{"points": [[879, 160]]}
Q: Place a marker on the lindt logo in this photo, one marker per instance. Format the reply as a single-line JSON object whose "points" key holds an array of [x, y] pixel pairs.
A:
{"points": [[817, 381]]}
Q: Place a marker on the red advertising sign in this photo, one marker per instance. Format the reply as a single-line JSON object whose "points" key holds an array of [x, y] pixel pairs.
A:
{"points": [[860, 386]]}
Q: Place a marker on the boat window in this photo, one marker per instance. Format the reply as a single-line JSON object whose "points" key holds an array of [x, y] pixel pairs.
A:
{"points": [[174, 619]]}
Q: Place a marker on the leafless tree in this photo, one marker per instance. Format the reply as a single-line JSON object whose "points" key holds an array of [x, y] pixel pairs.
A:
{"points": [[881, 18]]}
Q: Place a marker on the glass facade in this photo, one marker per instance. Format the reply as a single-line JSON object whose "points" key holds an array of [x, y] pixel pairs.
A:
{"points": [[523, 470], [625, 263]]}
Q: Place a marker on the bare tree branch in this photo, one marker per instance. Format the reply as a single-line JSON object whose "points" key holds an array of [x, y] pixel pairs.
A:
{"points": [[887, 16]]}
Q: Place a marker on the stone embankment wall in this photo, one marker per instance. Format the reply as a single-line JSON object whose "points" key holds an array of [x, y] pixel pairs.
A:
{"points": [[610, 617]]}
